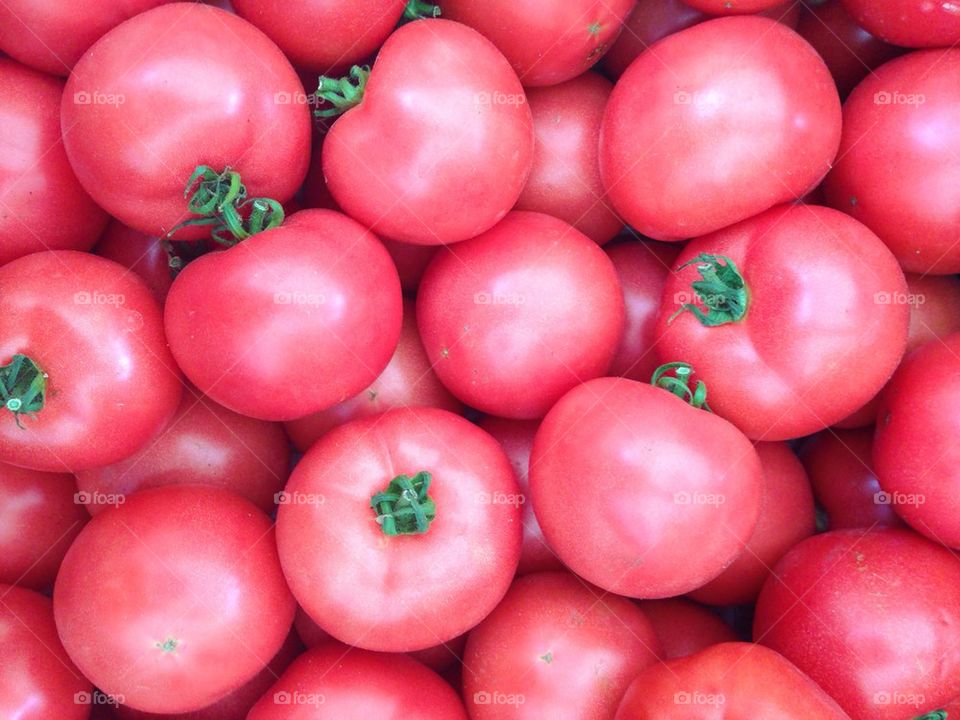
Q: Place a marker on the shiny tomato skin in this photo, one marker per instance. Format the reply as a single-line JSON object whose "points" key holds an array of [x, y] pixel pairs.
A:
{"points": [[515, 317], [290, 321], [42, 204], [684, 627], [173, 599], [715, 124], [667, 505], [567, 649], [144, 254], [406, 592], [96, 331], [873, 618], [149, 103], [909, 23], [820, 289], [459, 154]]}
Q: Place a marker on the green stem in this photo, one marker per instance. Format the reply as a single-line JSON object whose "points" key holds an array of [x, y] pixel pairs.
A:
{"points": [[935, 715], [342, 93], [679, 384], [418, 10], [405, 508], [721, 290], [23, 387]]}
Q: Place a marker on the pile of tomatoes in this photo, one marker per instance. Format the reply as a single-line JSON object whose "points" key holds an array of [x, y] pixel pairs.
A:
{"points": [[487, 359]]}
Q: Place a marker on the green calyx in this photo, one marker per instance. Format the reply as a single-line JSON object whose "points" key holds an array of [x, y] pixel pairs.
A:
{"points": [[676, 378], [341, 94], [405, 508], [720, 289], [935, 715], [23, 386], [419, 10]]}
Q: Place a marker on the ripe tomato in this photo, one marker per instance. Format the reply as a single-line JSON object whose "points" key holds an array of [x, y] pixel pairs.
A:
{"points": [[290, 321], [873, 618], [910, 23], [732, 680], [898, 170], [684, 628], [94, 332], [559, 648], [515, 317], [460, 153], [731, 7], [362, 568], [144, 254], [173, 599], [666, 504], [717, 123], [42, 206], [810, 291], [134, 158]]}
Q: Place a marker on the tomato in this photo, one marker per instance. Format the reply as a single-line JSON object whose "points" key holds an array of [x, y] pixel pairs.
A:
{"points": [[810, 291], [515, 317], [873, 618], [42, 205], [684, 627], [717, 123], [362, 568], [289, 322], [565, 180], [455, 118], [786, 517], [407, 380], [334, 682], [37, 679], [320, 35], [727, 682], [144, 254], [659, 508], [39, 518], [731, 7], [910, 23], [898, 170], [147, 104], [411, 262], [555, 647], [92, 334], [174, 598]]}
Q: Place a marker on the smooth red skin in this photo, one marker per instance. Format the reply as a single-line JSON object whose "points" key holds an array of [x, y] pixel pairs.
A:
{"points": [[867, 613], [183, 106], [204, 444], [558, 321], [731, 7], [358, 685], [568, 649], [39, 519], [565, 180], [813, 278], [37, 679], [190, 563], [108, 366], [909, 23], [42, 205], [604, 481], [323, 35], [898, 170], [676, 169], [752, 680], [411, 262], [516, 439], [144, 254], [456, 164], [280, 360], [409, 592], [787, 516], [310, 633], [684, 628], [408, 380], [643, 268]]}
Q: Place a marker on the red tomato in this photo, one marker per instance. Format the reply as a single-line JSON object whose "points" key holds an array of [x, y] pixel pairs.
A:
{"points": [[727, 682], [290, 321], [811, 290], [555, 648], [715, 124], [684, 627], [666, 505], [37, 679], [514, 318], [39, 518], [147, 105], [411, 261], [310, 633], [910, 23], [144, 254], [173, 599], [335, 682], [408, 380], [731, 7], [565, 180], [95, 332], [42, 206], [898, 170], [373, 577], [459, 153], [873, 618]]}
